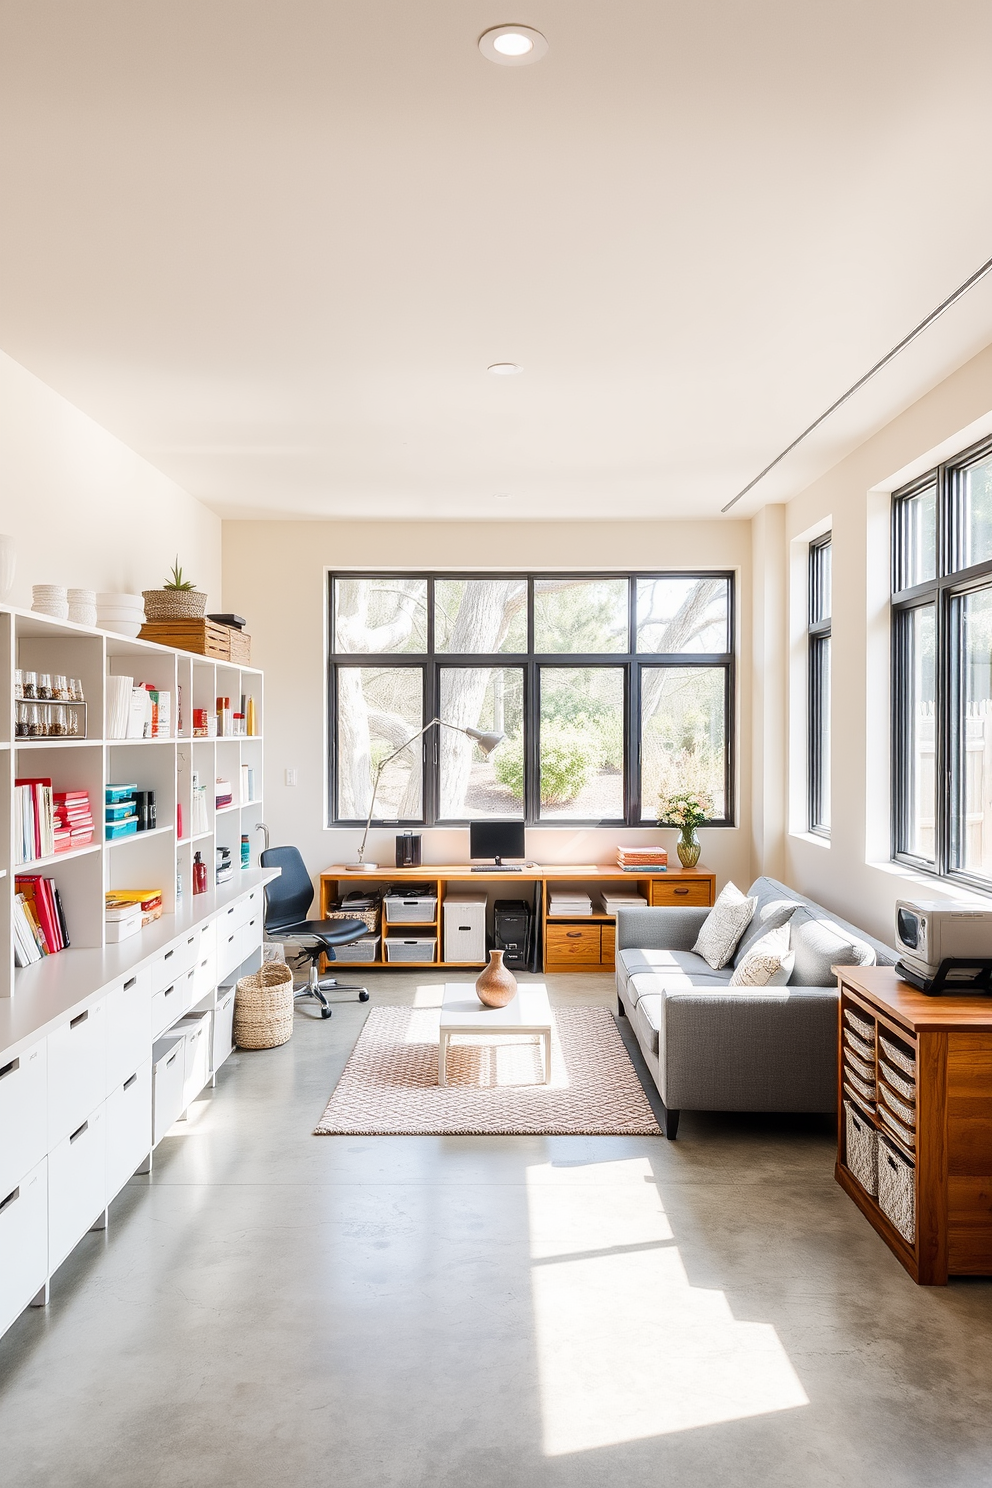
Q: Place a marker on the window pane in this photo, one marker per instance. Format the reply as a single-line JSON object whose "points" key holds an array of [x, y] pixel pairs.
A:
{"points": [[378, 709], [683, 615], [492, 699], [580, 615], [917, 537], [820, 576], [380, 615], [683, 735], [473, 615], [582, 742], [974, 515], [919, 763], [971, 624], [820, 744]]}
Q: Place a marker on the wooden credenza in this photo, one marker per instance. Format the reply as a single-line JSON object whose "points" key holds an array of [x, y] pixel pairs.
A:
{"points": [[930, 1119], [578, 943]]}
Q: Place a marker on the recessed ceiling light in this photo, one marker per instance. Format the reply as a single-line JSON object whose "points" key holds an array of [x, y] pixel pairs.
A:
{"points": [[504, 369], [513, 46]]}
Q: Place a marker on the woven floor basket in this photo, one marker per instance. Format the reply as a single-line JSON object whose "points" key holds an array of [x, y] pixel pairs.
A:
{"points": [[263, 1008]]}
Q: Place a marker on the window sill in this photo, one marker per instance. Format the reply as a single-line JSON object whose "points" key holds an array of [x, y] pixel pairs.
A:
{"points": [[815, 839], [933, 883]]}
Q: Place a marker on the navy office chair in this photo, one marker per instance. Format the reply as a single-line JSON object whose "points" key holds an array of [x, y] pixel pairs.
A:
{"points": [[287, 900]]}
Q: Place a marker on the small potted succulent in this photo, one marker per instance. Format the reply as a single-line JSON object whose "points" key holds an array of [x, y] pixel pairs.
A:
{"points": [[178, 599]]}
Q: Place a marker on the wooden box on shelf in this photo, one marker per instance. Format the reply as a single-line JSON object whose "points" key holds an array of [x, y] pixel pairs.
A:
{"points": [[918, 1071], [202, 637]]}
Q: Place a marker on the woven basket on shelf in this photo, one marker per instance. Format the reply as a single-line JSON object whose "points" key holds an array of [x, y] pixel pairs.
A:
{"points": [[174, 604], [263, 1008]]}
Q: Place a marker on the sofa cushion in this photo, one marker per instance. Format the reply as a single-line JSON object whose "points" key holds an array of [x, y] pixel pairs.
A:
{"points": [[768, 962], [681, 969], [769, 915], [819, 943], [724, 926]]}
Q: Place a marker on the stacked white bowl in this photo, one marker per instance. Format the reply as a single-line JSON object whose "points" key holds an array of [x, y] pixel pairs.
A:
{"points": [[124, 613], [82, 606], [50, 599]]}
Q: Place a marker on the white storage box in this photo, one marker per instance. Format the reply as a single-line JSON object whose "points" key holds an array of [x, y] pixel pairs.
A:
{"points": [[465, 927], [123, 929], [223, 1032], [168, 1074], [410, 950], [196, 1030], [366, 949], [416, 911]]}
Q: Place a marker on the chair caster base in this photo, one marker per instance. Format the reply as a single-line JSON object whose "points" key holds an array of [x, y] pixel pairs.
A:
{"points": [[325, 1012], [363, 996]]}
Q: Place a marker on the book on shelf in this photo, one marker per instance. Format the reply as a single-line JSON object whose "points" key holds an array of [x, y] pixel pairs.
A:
{"points": [[40, 927], [122, 902]]}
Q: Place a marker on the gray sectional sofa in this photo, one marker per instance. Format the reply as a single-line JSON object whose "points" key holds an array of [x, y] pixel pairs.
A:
{"points": [[712, 1047]]}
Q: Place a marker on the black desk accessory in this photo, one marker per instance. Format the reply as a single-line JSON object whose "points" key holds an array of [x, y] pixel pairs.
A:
{"points": [[957, 976]]}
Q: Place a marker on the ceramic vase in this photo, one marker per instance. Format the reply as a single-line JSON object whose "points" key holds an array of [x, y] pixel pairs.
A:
{"points": [[8, 566], [688, 847], [497, 985]]}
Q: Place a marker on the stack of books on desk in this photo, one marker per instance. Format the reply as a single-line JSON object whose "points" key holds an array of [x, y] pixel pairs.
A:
{"points": [[565, 904], [614, 901], [642, 859]]}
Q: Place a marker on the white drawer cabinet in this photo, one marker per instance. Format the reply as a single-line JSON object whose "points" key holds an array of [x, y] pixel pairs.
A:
{"points": [[196, 1070], [251, 937], [170, 1003], [23, 1242], [223, 1035], [23, 1114], [204, 975], [129, 1126], [228, 950], [77, 1070], [179, 958], [129, 1026], [168, 1077], [248, 906], [77, 1184]]}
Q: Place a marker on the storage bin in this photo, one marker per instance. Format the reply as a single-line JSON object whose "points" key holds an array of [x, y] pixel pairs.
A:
{"points": [[901, 1055], [905, 1088], [223, 1035], [861, 1149], [864, 1091], [864, 1051], [905, 1135], [410, 950], [263, 1008], [196, 1030], [897, 1190], [465, 927], [862, 1026], [865, 1071], [900, 1108], [168, 1074], [366, 949], [417, 911]]}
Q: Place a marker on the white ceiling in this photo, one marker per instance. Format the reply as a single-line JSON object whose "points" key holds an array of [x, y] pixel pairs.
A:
{"points": [[274, 246]]}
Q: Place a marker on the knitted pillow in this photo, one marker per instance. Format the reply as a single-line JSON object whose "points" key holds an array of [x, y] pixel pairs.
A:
{"points": [[724, 926], [768, 962]]}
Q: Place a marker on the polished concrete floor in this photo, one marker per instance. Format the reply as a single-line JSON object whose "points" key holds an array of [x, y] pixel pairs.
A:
{"points": [[271, 1308]]}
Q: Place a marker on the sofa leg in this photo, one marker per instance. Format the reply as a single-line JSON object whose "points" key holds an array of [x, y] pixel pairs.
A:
{"points": [[670, 1122], [621, 1010]]}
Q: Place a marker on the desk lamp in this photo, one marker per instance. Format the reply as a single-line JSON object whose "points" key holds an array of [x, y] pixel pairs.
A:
{"points": [[486, 742]]}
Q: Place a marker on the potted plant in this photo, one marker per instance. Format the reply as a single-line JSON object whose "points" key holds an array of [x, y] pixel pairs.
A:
{"points": [[686, 810], [178, 599]]}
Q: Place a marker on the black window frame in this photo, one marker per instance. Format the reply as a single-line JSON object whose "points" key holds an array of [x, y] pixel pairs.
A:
{"points": [[432, 662], [948, 585], [818, 630]]}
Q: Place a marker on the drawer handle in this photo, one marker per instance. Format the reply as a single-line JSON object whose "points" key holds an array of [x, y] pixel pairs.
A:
{"points": [[574, 934], [192, 940], [130, 1082], [130, 984], [79, 1131], [10, 1199], [172, 1060], [169, 990], [78, 1019], [168, 954], [10, 1069], [680, 891], [230, 940], [231, 910]]}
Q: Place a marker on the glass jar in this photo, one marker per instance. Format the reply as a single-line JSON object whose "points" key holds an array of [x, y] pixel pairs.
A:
{"points": [[18, 683], [72, 722], [57, 721], [76, 688], [44, 685], [60, 689], [35, 726], [21, 721], [30, 685]]}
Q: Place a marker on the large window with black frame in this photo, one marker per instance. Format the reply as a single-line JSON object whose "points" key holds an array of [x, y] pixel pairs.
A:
{"points": [[608, 690], [942, 669], [818, 668]]}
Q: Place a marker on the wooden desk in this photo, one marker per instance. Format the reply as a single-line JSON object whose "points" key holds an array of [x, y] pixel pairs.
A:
{"points": [[950, 1150], [578, 943]]}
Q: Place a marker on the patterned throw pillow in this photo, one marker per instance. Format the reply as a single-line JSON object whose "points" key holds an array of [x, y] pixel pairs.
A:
{"points": [[768, 963], [724, 926]]}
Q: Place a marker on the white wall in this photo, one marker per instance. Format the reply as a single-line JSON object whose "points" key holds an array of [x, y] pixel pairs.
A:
{"points": [[86, 511], [852, 873], [274, 575]]}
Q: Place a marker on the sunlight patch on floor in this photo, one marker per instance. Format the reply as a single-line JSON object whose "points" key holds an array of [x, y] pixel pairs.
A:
{"points": [[627, 1348]]}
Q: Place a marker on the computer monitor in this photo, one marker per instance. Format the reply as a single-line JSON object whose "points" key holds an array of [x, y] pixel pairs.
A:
{"points": [[496, 839]]}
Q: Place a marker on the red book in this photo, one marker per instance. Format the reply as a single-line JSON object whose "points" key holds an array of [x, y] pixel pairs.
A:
{"points": [[48, 885], [29, 886]]}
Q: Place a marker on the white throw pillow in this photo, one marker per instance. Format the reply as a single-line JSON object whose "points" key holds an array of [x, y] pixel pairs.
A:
{"points": [[767, 963], [724, 926]]}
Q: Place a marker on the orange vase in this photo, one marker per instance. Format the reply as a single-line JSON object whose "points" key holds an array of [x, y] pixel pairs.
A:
{"points": [[497, 985]]}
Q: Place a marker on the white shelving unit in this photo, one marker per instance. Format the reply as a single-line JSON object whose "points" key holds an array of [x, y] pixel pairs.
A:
{"points": [[159, 859]]}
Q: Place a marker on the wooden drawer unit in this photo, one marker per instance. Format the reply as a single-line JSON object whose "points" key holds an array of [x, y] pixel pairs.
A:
{"points": [[675, 891], [574, 944], [608, 953]]}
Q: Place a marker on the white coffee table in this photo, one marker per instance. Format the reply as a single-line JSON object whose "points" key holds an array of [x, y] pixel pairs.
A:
{"points": [[462, 1012]]}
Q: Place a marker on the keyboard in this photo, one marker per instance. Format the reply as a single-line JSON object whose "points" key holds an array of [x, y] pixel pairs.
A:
{"points": [[499, 868]]}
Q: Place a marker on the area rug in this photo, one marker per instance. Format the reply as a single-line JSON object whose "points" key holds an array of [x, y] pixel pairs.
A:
{"points": [[495, 1086]]}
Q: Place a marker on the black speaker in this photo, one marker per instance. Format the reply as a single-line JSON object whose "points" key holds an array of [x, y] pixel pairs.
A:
{"points": [[512, 920], [408, 850]]}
